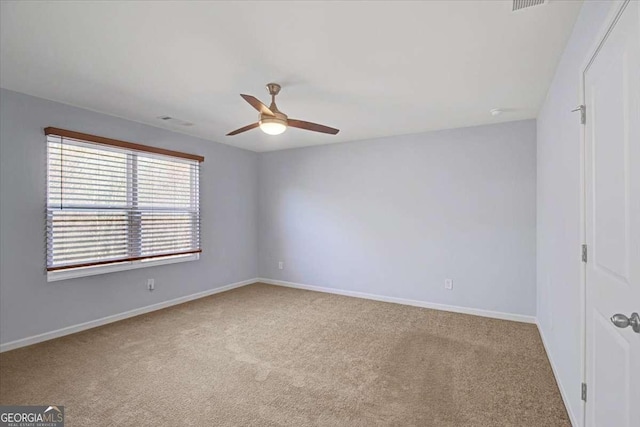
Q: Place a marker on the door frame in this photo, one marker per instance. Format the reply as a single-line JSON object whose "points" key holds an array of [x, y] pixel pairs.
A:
{"points": [[615, 12]]}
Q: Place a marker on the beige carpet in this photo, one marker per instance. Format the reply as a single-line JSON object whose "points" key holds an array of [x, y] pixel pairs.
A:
{"points": [[270, 356]]}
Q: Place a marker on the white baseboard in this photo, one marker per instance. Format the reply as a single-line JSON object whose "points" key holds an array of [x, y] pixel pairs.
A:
{"points": [[415, 303], [563, 392], [121, 316]]}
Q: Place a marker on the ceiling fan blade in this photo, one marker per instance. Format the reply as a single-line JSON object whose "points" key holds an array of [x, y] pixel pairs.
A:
{"points": [[244, 129], [255, 103], [301, 124]]}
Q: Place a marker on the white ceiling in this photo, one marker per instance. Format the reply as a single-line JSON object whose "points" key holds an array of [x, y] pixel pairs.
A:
{"points": [[371, 69]]}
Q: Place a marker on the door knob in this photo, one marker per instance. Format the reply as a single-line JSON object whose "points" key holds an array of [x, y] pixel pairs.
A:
{"points": [[622, 321]]}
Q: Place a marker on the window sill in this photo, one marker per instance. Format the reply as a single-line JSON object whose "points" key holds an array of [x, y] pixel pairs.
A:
{"points": [[54, 276]]}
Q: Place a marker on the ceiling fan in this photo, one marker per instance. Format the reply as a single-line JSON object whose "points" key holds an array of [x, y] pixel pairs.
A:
{"points": [[272, 121]]}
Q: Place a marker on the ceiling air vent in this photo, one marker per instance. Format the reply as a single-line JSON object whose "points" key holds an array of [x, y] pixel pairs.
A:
{"points": [[523, 4], [175, 121]]}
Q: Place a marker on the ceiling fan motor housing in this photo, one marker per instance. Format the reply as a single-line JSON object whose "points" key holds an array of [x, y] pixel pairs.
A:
{"points": [[279, 117]]}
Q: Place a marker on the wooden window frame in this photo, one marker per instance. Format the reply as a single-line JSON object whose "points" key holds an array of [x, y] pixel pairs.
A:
{"points": [[80, 270]]}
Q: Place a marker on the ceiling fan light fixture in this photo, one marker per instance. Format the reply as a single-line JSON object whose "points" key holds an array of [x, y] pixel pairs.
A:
{"points": [[272, 126]]}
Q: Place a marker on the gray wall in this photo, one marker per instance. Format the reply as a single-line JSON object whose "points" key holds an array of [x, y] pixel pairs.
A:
{"points": [[28, 304], [559, 188], [392, 216], [396, 216]]}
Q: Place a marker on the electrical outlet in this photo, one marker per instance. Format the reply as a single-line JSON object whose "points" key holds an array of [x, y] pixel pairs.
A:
{"points": [[448, 284], [151, 284], [280, 265]]}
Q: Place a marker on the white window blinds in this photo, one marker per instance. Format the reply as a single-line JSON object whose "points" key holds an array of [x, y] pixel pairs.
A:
{"points": [[111, 202]]}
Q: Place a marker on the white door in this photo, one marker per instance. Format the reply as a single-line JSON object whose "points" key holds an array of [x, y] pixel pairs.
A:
{"points": [[612, 205]]}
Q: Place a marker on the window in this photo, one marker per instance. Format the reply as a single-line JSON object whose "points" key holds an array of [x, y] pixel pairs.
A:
{"points": [[113, 203]]}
